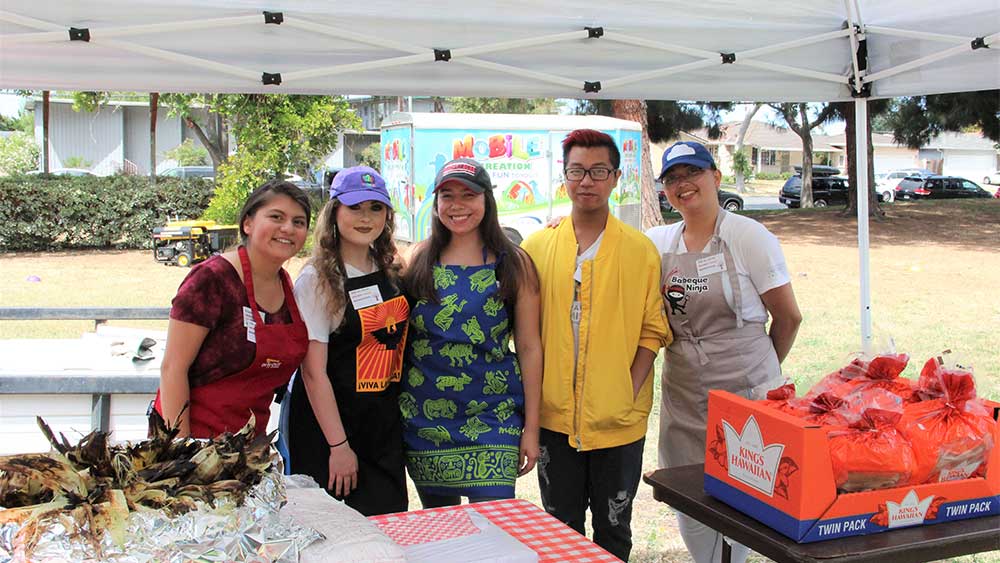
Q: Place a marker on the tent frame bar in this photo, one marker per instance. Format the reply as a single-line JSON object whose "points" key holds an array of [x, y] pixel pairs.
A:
{"points": [[855, 30], [923, 61]]}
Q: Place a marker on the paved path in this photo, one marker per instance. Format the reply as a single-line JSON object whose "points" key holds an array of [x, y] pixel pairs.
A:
{"points": [[762, 202]]}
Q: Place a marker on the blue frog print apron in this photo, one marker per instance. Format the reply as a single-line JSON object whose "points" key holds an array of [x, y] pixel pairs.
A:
{"points": [[462, 401]]}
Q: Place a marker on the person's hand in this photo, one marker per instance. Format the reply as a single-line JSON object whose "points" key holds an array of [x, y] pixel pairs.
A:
{"points": [[555, 221], [343, 470], [529, 452]]}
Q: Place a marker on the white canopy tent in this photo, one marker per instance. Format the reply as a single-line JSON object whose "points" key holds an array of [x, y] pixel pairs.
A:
{"points": [[739, 50]]}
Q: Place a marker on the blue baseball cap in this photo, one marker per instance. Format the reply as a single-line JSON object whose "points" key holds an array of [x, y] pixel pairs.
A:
{"points": [[357, 184], [686, 152]]}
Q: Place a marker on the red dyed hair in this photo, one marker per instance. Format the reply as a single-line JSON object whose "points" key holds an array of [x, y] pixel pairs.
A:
{"points": [[591, 138]]}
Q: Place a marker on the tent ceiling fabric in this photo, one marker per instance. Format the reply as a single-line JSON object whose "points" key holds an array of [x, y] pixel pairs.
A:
{"points": [[785, 50]]}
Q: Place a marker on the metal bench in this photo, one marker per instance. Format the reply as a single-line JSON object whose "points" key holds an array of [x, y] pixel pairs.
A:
{"points": [[99, 387]]}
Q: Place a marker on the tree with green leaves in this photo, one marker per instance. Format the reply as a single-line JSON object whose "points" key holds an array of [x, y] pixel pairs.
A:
{"points": [[24, 122], [504, 105], [188, 154], [661, 120], [18, 153], [796, 115], [916, 120], [276, 134]]}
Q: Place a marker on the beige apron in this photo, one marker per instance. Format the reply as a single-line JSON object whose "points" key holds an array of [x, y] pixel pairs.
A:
{"points": [[713, 347]]}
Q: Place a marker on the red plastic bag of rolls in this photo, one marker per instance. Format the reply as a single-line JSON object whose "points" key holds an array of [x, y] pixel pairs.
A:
{"points": [[952, 433], [894, 432], [872, 453], [880, 372]]}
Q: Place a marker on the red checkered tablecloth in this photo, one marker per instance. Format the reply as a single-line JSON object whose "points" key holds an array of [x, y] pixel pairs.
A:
{"points": [[552, 540]]}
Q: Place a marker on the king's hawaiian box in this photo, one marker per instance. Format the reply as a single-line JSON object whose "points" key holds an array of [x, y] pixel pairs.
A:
{"points": [[777, 469]]}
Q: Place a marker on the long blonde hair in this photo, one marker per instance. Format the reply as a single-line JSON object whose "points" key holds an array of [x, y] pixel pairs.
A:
{"points": [[329, 264]]}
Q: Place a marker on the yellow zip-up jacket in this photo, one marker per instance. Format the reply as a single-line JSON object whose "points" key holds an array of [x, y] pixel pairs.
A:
{"points": [[621, 309]]}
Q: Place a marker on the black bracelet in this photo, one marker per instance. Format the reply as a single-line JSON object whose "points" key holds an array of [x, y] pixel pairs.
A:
{"points": [[340, 443]]}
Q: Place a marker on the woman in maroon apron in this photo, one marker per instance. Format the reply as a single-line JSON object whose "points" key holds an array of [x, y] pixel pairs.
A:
{"points": [[343, 424], [235, 334], [723, 275]]}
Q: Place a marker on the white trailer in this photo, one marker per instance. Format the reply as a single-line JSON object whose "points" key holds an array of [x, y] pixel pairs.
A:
{"points": [[522, 153]]}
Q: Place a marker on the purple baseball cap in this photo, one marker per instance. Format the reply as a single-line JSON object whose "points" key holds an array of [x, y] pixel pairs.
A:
{"points": [[356, 184]]}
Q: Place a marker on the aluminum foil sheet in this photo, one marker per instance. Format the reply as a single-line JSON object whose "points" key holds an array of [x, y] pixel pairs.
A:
{"points": [[252, 533]]}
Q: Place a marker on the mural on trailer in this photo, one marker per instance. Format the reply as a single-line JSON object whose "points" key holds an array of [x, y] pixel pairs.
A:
{"points": [[526, 168]]}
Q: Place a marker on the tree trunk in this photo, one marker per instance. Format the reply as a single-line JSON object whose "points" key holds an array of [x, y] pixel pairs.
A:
{"points": [[805, 132], [45, 132], [740, 187], [635, 110], [154, 103], [217, 150], [874, 210]]}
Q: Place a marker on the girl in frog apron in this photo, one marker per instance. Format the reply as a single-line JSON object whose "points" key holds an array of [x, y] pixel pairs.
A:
{"points": [[723, 275], [343, 425], [470, 404]]}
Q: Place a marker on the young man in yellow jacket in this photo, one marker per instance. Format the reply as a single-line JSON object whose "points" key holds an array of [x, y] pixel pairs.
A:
{"points": [[602, 325]]}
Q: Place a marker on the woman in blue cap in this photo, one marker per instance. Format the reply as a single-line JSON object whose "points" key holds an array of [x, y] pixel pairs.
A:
{"points": [[344, 428], [723, 275]]}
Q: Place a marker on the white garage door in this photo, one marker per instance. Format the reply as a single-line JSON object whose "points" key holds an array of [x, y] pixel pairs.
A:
{"points": [[971, 166], [890, 163]]}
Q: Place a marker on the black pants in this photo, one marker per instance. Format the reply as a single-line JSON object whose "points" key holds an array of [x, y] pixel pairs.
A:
{"points": [[605, 480]]}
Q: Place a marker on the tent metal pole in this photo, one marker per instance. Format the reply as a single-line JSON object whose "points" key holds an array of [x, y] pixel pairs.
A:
{"points": [[879, 30], [923, 61], [515, 71], [853, 18], [179, 58], [752, 53], [427, 57], [864, 270], [660, 73], [784, 69], [211, 23], [518, 44]]}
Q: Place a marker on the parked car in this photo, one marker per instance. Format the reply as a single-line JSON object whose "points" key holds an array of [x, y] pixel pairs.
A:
{"points": [[206, 172], [827, 190], [886, 183], [992, 178], [819, 170], [730, 201], [64, 172], [938, 187]]}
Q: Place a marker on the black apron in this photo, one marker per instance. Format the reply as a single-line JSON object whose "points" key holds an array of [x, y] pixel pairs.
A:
{"points": [[364, 364]]}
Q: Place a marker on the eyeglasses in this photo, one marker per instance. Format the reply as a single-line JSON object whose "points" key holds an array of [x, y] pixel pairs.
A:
{"points": [[681, 176], [596, 174]]}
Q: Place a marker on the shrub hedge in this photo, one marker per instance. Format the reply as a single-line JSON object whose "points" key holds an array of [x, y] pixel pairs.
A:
{"points": [[62, 212]]}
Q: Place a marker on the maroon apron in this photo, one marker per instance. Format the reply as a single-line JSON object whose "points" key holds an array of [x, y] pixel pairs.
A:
{"points": [[225, 405]]}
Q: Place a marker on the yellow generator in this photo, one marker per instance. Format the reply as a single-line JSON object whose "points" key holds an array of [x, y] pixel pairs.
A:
{"points": [[183, 243]]}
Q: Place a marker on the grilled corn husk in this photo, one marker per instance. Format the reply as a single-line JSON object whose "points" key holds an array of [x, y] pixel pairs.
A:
{"points": [[90, 488]]}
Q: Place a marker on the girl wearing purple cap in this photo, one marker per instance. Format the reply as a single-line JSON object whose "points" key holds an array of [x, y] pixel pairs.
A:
{"points": [[470, 404], [344, 428]]}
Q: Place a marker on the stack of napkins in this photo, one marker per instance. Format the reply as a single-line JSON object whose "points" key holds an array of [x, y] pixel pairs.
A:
{"points": [[350, 537], [460, 535]]}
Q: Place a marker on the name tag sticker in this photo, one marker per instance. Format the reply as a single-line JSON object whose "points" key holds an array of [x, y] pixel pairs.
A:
{"points": [[365, 296], [711, 265]]}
